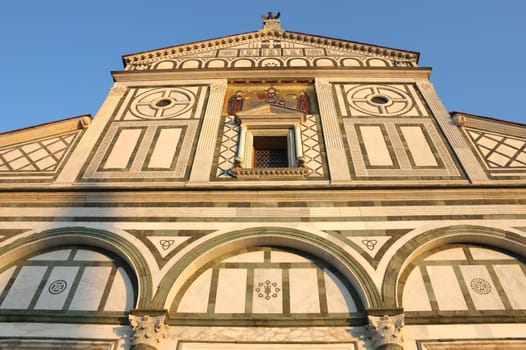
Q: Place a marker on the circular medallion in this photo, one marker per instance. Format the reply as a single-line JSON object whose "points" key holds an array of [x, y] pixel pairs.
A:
{"points": [[57, 287], [480, 286], [379, 100], [163, 103]]}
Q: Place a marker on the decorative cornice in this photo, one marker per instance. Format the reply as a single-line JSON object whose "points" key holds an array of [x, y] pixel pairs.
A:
{"points": [[268, 173], [300, 38]]}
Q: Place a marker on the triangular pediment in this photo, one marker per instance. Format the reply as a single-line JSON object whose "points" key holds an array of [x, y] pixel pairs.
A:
{"points": [[270, 48], [270, 112]]}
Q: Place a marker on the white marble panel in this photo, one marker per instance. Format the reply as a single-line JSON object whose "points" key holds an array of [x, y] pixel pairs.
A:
{"points": [[90, 255], [196, 296], [488, 254], [90, 289], [286, 257], [447, 290], [418, 146], [121, 294], [164, 149], [304, 293], [338, 297], [24, 287], [122, 149], [56, 255], [415, 297], [513, 282], [481, 287], [448, 254], [375, 146], [250, 257], [51, 298], [231, 291], [268, 291]]}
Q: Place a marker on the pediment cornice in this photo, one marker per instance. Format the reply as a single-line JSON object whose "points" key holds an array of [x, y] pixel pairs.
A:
{"points": [[339, 47]]}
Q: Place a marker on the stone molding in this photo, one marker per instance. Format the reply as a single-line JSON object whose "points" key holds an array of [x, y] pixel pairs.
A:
{"points": [[251, 173], [148, 330], [386, 330]]}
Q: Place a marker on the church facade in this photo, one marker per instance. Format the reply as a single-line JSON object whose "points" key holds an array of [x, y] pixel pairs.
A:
{"points": [[265, 190]]}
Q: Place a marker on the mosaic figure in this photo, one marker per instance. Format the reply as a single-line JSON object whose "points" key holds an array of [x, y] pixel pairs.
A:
{"points": [[303, 102], [235, 103]]}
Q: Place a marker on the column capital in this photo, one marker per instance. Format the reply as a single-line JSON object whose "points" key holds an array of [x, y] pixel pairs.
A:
{"points": [[148, 330], [386, 331]]}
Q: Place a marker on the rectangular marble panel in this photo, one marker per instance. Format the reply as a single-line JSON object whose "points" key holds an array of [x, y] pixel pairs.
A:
{"points": [[164, 149], [90, 289], [24, 287], [52, 298], [195, 298], [304, 293], [123, 148], [446, 288], [513, 282], [231, 291], [268, 291], [415, 297], [375, 146], [418, 146], [338, 297], [120, 297], [56, 255], [481, 287]]}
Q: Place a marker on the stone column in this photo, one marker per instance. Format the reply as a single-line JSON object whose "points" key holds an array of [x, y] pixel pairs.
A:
{"points": [[149, 332], [386, 332]]}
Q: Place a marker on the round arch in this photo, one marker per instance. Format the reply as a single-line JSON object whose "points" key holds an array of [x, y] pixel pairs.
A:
{"points": [[327, 250], [428, 240], [83, 236]]}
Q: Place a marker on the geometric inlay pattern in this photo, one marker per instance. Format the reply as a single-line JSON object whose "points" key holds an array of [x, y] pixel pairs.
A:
{"points": [[499, 151], [163, 103], [379, 100], [266, 281], [39, 155], [464, 277], [228, 147]]}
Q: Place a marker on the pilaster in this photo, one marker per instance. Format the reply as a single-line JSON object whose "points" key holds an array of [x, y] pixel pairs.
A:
{"points": [[451, 130], [336, 155], [207, 139]]}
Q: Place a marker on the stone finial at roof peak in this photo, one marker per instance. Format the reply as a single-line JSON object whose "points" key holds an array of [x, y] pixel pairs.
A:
{"points": [[271, 21]]}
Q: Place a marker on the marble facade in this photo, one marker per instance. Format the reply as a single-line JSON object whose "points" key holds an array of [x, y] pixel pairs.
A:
{"points": [[393, 225]]}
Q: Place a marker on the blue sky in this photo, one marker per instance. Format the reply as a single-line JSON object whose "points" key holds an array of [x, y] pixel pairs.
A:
{"points": [[56, 55]]}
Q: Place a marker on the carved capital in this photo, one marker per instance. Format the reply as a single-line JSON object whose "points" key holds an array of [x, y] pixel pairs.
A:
{"points": [[148, 330], [386, 330], [218, 86]]}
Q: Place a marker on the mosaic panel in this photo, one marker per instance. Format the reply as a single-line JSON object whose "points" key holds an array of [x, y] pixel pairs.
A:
{"points": [[41, 157], [398, 148], [476, 278]]}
